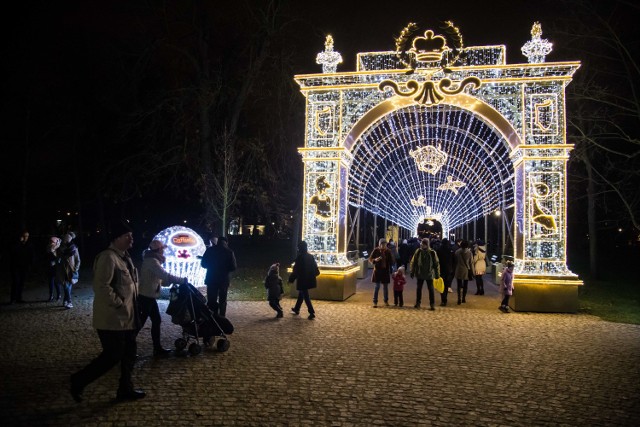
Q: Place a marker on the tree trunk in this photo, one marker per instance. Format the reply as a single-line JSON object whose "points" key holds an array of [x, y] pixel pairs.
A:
{"points": [[591, 219]]}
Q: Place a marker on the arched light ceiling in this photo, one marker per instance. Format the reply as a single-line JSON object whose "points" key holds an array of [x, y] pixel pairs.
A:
{"points": [[385, 179]]}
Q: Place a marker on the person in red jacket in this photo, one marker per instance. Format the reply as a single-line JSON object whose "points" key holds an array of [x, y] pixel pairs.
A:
{"points": [[399, 281]]}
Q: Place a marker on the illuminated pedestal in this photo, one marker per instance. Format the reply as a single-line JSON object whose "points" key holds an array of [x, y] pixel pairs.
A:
{"points": [[334, 284], [545, 294]]}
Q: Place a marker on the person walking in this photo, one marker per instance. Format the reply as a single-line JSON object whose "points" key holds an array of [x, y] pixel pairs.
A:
{"points": [[479, 265], [445, 257], [462, 271], [219, 261], [51, 260], [305, 271], [273, 284], [382, 261], [115, 316], [68, 267], [152, 277], [405, 254], [425, 267], [399, 280], [21, 258], [506, 289]]}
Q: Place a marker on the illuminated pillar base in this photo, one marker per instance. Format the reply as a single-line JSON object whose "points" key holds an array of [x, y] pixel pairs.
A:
{"points": [[545, 294], [334, 284]]}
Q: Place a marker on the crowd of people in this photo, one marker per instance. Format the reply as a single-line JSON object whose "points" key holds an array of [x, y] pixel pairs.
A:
{"points": [[124, 300], [428, 260], [62, 267]]}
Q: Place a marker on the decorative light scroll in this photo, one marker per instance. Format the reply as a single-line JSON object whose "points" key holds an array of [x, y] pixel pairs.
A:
{"points": [[430, 93]]}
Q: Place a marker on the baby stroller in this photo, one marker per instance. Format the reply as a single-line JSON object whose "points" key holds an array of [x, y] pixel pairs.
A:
{"points": [[188, 308]]}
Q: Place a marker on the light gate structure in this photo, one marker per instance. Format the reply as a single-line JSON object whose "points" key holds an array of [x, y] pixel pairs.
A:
{"points": [[438, 130]]}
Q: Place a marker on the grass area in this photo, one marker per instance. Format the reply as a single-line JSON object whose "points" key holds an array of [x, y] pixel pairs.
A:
{"points": [[616, 300], [254, 257]]}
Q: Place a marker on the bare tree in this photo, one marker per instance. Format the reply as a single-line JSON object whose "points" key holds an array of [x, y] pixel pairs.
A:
{"points": [[604, 107]]}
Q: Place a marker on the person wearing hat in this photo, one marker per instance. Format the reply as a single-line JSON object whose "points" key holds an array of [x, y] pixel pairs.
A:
{"points": [[152, 277], [219, 261], [115, 316], [67, 267]]}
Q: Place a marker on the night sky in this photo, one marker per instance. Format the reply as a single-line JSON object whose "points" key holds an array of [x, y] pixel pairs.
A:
{"points": [[66, 85]]}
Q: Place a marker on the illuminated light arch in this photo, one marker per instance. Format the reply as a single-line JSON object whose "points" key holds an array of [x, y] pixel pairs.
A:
{"points": [[384, 178], [502, 130]]}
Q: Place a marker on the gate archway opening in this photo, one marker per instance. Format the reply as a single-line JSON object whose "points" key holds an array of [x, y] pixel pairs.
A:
{"points": [[439, 162], [454, 134]]}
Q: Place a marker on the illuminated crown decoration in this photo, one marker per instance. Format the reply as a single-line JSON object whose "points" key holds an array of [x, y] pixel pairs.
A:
{"points": [[429, 48], [429, 158], [537, 48], [329, 58]]}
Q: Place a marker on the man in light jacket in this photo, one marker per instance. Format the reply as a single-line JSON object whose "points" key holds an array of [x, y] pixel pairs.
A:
{"points": [[115, 316]]}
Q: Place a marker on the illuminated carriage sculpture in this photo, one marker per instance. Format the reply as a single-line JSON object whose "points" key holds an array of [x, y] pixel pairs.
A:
{"points": [[436, 129]]}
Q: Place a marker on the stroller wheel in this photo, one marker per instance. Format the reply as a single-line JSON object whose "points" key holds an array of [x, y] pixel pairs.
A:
{"points": [[223, 345], [180, 344], [195, 349]]}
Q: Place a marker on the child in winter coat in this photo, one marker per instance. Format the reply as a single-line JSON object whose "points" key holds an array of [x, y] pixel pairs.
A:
{"points": [[399, 281], [273, 284], [507, 287]]}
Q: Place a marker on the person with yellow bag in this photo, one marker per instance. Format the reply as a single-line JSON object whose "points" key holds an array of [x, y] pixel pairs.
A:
{"points": [[425, 267]]}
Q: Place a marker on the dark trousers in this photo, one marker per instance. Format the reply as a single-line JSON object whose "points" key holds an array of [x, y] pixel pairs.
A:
{"points": [[149, 309], [117, 347], [447, 284], [397, 298], [303, 295], [18, 276], [505, 301], [275, 304], [217, 298], [462, 287], [479, 285], [419, 291], [54, 285]]}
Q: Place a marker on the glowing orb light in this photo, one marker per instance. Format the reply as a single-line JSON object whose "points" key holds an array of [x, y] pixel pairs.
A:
{"points": [[184, 247]]}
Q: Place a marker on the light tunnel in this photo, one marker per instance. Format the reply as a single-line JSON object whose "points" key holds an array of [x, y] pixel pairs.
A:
{"points": [[467, 172]]}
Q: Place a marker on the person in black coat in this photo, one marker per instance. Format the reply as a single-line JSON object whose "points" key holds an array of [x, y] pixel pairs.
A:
{"points": [[305, 270], [445, 256], [20, 261], [219, 261], [404, 250]]}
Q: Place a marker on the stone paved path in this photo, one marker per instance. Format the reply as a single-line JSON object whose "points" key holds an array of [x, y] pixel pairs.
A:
{"points": [[352, 365]]}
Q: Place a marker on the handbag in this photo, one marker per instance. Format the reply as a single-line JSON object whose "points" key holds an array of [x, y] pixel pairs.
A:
{"points": [[471, 275], [438, 284]]}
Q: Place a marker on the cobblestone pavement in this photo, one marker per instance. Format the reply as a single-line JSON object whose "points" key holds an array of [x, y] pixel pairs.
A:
{"points": [[352, 365]]}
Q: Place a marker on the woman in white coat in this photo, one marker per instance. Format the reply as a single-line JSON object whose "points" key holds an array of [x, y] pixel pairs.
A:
{"points": [[480, 265]]}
